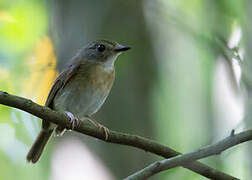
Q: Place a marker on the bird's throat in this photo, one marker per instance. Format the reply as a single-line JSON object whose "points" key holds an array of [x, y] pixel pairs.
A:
{"points": [[109, 64]]}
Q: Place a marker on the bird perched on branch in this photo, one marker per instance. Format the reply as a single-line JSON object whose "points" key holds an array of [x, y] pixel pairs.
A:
{"points": [[80, 89]]}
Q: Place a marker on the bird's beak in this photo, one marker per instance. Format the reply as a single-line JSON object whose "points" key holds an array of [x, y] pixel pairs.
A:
{"points": [[122, 48]]}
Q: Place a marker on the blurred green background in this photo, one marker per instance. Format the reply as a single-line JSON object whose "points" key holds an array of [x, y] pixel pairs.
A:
{"points": [[173, 86]]}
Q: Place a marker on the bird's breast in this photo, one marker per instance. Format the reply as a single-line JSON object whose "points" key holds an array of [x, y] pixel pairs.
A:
{"points": [[101, 79], [85, 92]]}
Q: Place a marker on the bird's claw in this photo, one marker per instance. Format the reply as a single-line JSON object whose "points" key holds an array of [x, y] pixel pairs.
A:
{"points": [[98, 125], [73, 120], [106, 131]]}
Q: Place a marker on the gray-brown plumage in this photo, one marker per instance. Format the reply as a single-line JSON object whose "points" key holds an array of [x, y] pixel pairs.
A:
{"points": [[81, 88]]}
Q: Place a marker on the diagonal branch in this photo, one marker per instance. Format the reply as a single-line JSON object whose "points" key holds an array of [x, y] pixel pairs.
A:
{"points": [[114, 137], [182, 160]]}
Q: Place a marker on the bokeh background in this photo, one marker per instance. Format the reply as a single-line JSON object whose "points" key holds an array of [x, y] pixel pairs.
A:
{"points": [[175, 85]]}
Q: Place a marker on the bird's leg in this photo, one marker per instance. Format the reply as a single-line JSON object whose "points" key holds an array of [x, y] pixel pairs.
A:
{"points": [[98, 125], [73, 120]]}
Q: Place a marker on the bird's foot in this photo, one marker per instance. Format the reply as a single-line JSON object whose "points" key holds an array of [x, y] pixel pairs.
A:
{"points": [[98, 125], [73, 120]]}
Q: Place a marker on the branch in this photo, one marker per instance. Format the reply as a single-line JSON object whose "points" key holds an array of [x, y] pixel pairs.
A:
{"points": [[181, 160], [114, 137]]}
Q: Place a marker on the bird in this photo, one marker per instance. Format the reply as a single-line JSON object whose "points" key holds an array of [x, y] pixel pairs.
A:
{"points": [[80, 89]]}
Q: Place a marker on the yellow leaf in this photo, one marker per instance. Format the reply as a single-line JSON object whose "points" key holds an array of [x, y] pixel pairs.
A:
{"points": [[42, 65], [6, 17]]}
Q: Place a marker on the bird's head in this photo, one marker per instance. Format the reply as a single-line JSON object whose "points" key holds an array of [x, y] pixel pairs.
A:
{"points": [[102, 51]]}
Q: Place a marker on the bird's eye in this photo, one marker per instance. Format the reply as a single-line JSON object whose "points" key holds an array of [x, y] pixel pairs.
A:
{"points": [[101, 47]]}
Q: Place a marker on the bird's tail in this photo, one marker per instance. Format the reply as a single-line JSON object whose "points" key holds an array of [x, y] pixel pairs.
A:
{"points": [[39, 145]]}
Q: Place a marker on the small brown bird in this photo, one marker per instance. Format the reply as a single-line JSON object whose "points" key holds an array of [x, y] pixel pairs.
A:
{"points": [[80, 89]]}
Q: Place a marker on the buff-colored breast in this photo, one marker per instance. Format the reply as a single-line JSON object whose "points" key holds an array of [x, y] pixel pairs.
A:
{"points": [[86, 91]]}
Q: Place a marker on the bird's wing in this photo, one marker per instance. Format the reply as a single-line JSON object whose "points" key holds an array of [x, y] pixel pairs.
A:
{"points": [[59, 84], [61, 81]]}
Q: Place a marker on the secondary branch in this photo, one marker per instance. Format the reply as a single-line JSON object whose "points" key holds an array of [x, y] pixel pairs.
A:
{"points": [[182, 160]]}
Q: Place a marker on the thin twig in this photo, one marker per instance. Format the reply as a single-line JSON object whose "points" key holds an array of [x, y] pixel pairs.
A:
{"points": [[210, 150], [114, 137]]}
